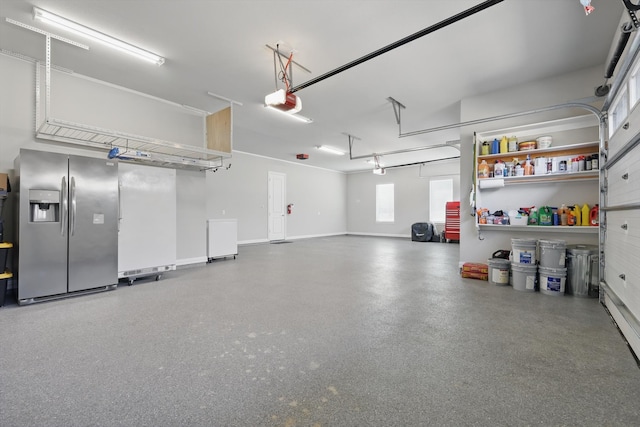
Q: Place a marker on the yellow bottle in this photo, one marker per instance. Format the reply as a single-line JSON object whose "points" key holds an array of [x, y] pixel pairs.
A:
{"points": [[586, 212], [504, 145], [577, 214]]}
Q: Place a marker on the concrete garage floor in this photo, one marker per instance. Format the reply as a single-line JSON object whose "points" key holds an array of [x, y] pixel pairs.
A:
{"points": [[340, 331]]}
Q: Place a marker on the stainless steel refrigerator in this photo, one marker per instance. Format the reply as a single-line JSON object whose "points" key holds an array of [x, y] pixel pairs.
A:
{"points": [[67, 225]]}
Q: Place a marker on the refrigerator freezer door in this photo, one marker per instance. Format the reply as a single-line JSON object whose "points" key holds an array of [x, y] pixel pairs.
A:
{"points": [[148, 228], [43, 244], [93, 223]]}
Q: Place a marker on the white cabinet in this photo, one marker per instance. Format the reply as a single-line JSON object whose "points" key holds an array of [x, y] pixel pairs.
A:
{"points": [[222, 238], [572, 137]]}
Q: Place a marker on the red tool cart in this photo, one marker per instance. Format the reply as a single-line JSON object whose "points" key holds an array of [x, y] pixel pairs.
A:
{"points": [[452, 221]]}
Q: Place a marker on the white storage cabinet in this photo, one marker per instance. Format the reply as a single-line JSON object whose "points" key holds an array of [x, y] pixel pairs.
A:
{"points": [[222, 238]]}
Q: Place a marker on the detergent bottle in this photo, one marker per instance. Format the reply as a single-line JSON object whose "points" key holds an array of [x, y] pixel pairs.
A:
{"points": [[528, 167], [504, 145], [483, 170], [545, 216], [577, 213], [563, 212], [594, 217], [571, 218], [495, 146], [586, 215]]}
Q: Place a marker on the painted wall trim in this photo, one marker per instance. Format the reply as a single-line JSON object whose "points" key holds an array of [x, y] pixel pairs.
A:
{"points": [[405, 236], [310, 236]]}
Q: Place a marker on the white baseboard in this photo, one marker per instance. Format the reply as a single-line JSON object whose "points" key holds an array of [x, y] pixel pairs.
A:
{"points": [[315, 236], [307, 236], [406, 236]]}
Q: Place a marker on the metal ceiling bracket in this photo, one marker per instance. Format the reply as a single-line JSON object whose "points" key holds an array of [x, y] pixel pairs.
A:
{"points": [[46, 33], [275, 50], [351, 141], [397, 107]]}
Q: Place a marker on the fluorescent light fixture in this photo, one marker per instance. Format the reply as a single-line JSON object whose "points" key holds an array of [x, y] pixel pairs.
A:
{"points": [[330, 150], [74, 27], [293, 116]]}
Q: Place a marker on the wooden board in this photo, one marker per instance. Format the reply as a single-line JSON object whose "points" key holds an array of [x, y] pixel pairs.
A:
{"points": [[219, 131]]}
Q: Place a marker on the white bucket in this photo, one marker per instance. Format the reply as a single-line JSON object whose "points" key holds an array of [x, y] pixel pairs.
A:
{"points": [[524, 251], [552, 280], [553, 253], [524, 277], [498, 271]]}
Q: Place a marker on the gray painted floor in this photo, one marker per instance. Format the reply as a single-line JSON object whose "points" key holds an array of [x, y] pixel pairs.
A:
{"points": [[341, 331]]}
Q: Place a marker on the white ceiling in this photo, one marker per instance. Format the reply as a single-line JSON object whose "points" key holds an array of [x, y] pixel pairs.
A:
{"points": [[219, 46]]}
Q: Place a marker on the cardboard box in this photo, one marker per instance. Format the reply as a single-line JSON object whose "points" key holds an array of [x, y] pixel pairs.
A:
{"points": [[4, 183], [475, 270]]}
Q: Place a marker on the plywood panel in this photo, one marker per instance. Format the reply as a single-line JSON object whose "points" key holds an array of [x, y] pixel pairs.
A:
{"points": [[219, 131]]}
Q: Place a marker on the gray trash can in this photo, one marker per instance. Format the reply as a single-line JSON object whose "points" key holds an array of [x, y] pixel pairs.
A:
{"points": [[583, 271]]}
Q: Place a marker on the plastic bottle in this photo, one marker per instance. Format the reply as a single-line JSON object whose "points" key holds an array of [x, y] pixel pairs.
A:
{"points": [[495, 146], [571, 218], [504, 145], [528, 167], [545, 216], [576, 214], [513, 144], [483, 170], [586, 215], [594, 216], [533, 216], [485, 149], [563, 212]]}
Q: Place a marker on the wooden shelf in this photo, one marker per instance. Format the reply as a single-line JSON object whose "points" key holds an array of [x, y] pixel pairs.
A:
{"points": [[541, 228]]}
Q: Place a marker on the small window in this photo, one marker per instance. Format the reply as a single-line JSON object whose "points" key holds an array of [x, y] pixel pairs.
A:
{"points": [[619, 112], [440, 192], [634, 86], [384, 203]]}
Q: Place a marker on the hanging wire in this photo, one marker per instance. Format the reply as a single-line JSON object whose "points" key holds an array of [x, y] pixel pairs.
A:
{"points": [[282, 74]]}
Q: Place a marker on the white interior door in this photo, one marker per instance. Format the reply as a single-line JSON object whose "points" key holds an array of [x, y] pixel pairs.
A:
{"points": [[276, 208]]}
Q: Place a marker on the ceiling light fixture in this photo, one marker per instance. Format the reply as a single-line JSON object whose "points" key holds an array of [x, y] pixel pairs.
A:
{"points": [[330, 150], [59, 21], [288, 114]]}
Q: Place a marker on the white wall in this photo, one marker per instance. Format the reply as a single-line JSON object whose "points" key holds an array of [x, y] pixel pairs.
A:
{"points": [[241, 192], [543, 93], [411, 194], [318, 195], [192, 219]]}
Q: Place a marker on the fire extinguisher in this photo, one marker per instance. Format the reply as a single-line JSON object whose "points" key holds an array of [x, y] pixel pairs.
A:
{"points": [[289, 208]]}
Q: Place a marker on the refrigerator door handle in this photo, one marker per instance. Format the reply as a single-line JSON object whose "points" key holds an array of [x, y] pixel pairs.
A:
{"points": [[65, 205], [72, 196]]}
